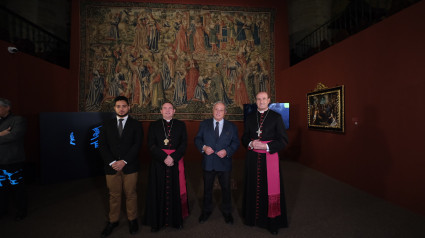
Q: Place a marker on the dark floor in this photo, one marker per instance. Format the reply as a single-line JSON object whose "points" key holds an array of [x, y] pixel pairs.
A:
{"points": [[318, 206]]}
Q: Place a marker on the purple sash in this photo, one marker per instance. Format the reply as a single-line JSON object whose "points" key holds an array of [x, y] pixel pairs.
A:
{"points": [[182, 182], [273, 182]]}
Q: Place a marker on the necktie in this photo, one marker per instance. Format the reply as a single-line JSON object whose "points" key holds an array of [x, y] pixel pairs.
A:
{"points": [[217, 130], [120, 126]]}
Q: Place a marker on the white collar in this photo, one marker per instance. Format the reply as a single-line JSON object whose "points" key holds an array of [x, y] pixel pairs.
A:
{"points": [[125, 118]]}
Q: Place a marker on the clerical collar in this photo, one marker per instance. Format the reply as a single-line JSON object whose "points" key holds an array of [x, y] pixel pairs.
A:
{"points": [[263, 111], [167, 120]]}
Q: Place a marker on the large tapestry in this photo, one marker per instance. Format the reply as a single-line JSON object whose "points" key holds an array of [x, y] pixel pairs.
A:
{"points": [[189, 55]]}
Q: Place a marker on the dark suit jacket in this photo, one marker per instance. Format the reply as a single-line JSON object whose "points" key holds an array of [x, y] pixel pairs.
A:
{"points": [[12, 145], [112, 147], [228, 140]]}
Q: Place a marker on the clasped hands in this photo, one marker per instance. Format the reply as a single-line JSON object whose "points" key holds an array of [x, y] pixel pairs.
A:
{"points": [[258, 145], [169, 161], [118, 165], [208, 150]]}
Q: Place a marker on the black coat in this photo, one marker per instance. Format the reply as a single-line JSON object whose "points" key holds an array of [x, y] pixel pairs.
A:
{"points": [[163, 199], [255, 202], [113, 147]]}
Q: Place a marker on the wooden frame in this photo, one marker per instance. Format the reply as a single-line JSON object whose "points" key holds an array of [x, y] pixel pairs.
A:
{"points": [[326, 109]]}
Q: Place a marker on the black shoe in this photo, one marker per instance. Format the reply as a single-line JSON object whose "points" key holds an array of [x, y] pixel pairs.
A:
{"points": [[273, 231], [228, 218], [204, 217], [108, 229], [133, 226]]}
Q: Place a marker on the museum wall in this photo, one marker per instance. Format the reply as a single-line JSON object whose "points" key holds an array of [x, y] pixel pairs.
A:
{"points": [[382, 149]]}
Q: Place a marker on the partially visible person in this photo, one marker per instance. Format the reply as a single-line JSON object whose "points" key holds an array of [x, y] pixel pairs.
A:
{"points": [[119, 143], [166, 199], [12, 159], [217, 140], [264, 136]]}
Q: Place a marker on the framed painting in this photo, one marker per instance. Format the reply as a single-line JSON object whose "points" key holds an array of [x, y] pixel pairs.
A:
{"points": [[326, 109], [189, 55]]}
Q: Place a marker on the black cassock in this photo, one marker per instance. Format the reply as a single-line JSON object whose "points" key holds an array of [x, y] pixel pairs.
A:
{"points": [[255, 202], [163, 201]]}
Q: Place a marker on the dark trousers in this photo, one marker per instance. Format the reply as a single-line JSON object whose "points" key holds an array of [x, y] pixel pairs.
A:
{"points": [[12, 183], [224, 180]]}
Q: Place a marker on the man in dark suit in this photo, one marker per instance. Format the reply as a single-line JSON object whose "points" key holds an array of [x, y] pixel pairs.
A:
{"points": [[217, 140], [12, 159], [119, 142]]}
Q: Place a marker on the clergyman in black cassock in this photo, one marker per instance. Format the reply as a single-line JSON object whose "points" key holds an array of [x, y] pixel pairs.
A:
{"points": [[264, 136], [166, 199]]}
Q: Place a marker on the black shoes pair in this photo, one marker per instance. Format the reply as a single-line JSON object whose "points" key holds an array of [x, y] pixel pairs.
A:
{"points": [[228, 218], [133, 228]]}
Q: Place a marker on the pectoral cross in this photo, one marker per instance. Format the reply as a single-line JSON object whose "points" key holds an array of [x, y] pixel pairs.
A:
{"points": [[259, 132], [166, 141]]}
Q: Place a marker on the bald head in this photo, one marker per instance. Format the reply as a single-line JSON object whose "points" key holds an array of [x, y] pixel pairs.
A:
{"points": [[263, 101]]}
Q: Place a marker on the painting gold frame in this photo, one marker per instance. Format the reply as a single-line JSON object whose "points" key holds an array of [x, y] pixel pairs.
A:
{"points": [[325, 109]]}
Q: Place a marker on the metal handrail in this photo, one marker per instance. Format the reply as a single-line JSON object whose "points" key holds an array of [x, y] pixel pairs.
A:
{"points": [[356, 17], [32, 39]]}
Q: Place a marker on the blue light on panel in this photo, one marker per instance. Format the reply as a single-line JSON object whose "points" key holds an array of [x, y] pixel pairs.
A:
{"points": [[8, 176], [95, 138], [72, 139]]}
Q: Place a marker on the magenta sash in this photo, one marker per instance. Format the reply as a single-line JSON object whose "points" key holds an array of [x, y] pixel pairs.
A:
{"points": [[273, 182], [182, 183]]}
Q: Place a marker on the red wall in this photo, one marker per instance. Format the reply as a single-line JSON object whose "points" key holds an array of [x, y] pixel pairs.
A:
{"points": [[34, 85], [382, 69]]}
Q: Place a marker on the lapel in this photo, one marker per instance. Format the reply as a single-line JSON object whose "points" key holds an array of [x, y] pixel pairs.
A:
{"points": [[211, 126], [115, 126]]}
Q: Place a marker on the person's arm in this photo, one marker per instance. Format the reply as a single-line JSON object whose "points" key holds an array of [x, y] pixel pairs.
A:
{"points": [[157, 153], [16, 131], [199, 138], [281, 138], [182, 143], [246, 139], [234, 144]]}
